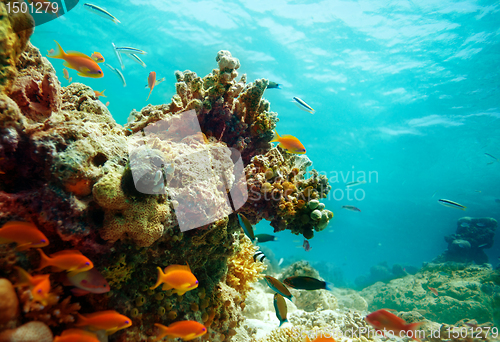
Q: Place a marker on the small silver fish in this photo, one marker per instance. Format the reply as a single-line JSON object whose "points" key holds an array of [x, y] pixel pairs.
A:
{"points": [[489, 155], [130, 50], [118, 56], [355, 183], [136, 58], [451, 204], [483, 245], [479, 224], [119, 73], [304, 106], [351, 208], [464, 225], [101, 12]]}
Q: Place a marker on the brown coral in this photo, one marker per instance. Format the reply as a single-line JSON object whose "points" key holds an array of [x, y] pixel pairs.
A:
{"points": [[52, 314]]}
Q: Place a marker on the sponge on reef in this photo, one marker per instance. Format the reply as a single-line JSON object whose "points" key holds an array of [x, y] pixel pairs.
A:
{"points": [[8, 301]]}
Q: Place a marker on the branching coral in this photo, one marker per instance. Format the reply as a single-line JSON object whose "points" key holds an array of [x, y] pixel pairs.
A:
{"points": [[54, 313], [242, 269]]}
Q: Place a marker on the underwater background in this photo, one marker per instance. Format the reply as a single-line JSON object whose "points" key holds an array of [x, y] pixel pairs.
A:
{"points": [[407, 92]]}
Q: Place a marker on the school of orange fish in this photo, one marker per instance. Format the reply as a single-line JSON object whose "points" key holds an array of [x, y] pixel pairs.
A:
{"points": [[80, 272]]}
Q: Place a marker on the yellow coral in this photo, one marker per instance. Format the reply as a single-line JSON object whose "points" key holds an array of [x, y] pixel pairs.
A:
{"points": [[242, 269], [139, 221]]}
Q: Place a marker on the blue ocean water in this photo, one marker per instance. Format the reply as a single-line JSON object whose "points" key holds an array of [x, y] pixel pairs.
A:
{"points": [[407, 92]]}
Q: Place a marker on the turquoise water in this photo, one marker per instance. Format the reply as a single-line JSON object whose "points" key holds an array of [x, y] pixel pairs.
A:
{"points": [[408, 91]]}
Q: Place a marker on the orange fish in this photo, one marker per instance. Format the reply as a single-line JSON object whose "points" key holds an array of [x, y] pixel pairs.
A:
{"points": [[71, 261], [66, 74], [109, 320], [187, 330], [177, 277], [80, 62], [96, 56], [99, 93], [39, 285], [433, 290], [289, 143], [151, 82], [107, 103], [25, 234], [384, 320], [76, 335]]}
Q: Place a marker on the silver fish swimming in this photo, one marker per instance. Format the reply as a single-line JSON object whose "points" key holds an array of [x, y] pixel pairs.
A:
{"points": [[451, 204], [304, 106], [119, 73], [137, 59], [101, 12], [118, 56], [355, 183], [130, 50]]}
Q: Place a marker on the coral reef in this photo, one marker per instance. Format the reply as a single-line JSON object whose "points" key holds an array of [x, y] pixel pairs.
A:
{"points": [[235, 114], [70, 169], [464, 291], [280, 193], [473, 235], [229, 111]]}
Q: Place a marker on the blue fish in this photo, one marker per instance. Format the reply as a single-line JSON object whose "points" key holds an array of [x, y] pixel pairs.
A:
{"points": [[278, 287], [246, 226], [280, 308]]}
